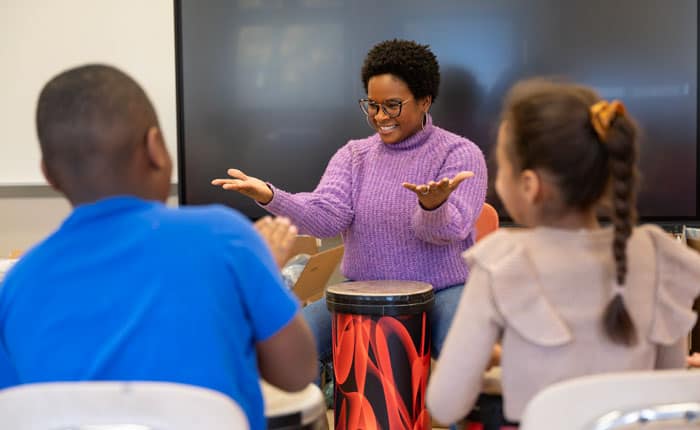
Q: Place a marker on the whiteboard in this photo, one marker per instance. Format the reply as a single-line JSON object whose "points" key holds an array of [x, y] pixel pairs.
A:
{"points": [[41, 38]]}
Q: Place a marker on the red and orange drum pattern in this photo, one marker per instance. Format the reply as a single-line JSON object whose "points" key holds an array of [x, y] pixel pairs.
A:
{"points": [[381, 366]]}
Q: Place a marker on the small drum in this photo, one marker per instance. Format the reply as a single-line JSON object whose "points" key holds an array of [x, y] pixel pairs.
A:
{"points": [[303, 410], [381, 354]]}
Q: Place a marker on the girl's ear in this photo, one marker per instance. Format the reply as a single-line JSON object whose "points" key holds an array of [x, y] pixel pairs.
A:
{"points": [[530, 186]]}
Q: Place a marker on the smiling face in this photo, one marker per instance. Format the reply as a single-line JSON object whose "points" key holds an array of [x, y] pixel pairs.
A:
{"points": [[389, 89]]}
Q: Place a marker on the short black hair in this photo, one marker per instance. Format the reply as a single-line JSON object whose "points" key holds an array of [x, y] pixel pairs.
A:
{"points": [[414, 63], [89, 120]]}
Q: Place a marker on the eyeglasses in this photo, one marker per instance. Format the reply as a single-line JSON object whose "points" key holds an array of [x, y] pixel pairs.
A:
{"points": [[392, 108]]}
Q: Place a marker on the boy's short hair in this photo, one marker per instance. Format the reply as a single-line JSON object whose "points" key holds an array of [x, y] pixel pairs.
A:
{"points": [[89, 120]]}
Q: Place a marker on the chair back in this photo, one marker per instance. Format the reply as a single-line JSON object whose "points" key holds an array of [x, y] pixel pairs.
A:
{"points": [[305, 409], [668, 399], [117, 406], [486, 223]]}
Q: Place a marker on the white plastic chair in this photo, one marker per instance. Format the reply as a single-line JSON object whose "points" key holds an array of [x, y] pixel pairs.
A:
{"points": [[117, 406], [305, 409], [654, 399]]}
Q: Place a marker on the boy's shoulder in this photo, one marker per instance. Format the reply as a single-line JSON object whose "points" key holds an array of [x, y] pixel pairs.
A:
{"points": [[215, 218], [215, 225]]}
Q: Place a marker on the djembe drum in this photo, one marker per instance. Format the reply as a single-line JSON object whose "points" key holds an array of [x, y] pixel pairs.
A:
{"points": [[381, 354]]}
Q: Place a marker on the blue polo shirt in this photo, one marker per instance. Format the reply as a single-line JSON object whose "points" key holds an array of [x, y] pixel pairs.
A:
{"points": [[128, 289]]}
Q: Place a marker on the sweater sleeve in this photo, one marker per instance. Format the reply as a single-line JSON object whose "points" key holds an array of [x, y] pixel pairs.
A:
{"points": [[327, 211], [466, 353], [454, 220]]}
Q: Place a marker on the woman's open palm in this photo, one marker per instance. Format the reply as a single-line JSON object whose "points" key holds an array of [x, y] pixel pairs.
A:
{"points": [[433, 194], [247, 185]]}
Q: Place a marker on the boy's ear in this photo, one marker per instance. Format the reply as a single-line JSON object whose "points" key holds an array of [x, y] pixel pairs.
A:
{"points": [[49, 178], [531, 186], [156, 150]]}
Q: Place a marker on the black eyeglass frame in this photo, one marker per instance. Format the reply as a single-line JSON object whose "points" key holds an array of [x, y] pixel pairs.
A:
{"points": [[365, 103]]}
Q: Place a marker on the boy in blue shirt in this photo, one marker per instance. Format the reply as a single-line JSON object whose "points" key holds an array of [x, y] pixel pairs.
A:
{"points": [[129, 289]]}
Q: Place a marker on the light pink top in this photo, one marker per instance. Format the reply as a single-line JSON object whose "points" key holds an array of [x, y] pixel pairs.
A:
{"points": [[541, 293]]}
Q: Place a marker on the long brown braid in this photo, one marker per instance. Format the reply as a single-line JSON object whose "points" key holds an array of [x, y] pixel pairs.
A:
{"points": [[618, 134]]}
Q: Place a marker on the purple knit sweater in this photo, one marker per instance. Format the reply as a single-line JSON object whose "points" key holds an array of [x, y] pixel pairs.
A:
{"points": [[387, 235]]}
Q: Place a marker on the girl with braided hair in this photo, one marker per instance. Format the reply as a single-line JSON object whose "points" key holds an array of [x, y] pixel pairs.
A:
{"points": [[565, 296]]}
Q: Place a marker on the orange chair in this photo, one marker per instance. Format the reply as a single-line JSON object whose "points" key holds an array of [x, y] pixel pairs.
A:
{"points": [[486, 223]]}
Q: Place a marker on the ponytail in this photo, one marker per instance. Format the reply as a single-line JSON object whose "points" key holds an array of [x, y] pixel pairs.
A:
{"points": [[616, 131]]}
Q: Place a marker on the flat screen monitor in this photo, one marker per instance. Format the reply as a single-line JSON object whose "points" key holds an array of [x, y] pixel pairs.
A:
{"points": [[271, 86]]}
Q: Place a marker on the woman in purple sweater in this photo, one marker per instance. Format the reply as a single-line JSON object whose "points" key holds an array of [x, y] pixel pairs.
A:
{"points": [[395, 197]]}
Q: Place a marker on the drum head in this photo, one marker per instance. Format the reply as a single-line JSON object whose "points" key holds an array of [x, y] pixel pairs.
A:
{"points": [[380, 297]]}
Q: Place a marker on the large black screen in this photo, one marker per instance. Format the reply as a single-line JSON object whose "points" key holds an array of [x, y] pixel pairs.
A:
{"points": [[271, 86]]}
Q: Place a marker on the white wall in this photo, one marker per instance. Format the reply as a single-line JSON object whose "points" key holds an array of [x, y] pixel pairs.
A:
{"points": [[26, 220], [40, 38], [29, 214]]}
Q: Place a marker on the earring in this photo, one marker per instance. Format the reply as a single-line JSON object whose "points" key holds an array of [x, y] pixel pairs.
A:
{"points": [[424, 121]]}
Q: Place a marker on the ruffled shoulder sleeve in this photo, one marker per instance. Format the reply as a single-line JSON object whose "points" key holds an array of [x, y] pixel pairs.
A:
{"points": [[678, 276], [517, 290]]}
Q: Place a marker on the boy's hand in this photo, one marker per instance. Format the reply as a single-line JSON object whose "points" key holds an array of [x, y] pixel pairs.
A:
{"points": [[279, 234]]}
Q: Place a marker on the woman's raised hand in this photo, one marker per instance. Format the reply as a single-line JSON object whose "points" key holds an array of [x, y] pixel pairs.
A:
{"points": [[433, 194], [246, 185]]}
